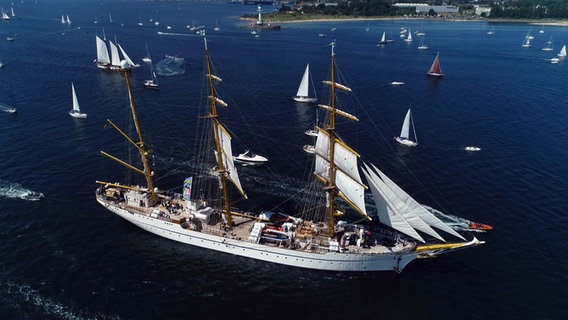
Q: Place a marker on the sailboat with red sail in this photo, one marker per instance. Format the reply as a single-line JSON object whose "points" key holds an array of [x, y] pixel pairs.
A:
{"points": [[435, 69]]}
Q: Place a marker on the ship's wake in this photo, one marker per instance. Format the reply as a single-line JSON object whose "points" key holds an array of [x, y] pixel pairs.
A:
{"points": [[170, 66], [17, 191]]}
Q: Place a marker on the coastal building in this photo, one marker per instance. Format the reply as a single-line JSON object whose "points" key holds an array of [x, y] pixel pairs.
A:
{"points": [[425, 8], [482, 10]]}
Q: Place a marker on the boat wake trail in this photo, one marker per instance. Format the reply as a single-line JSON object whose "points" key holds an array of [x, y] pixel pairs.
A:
{"points": [[170, 66], [15, 190], [26, 300], [7, 108]]}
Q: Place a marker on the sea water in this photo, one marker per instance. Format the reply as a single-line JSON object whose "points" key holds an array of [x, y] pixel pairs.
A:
{"points": [[66, 257]]}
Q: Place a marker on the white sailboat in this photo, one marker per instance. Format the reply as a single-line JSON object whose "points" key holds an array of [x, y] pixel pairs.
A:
{"points": [[68, 21], [409, 37], [527, 41], [404, 137], [151, 83], [562, 52], [549, 45], [76, 111], [422, 45], [63, 19], [5, 16], [13, 14], [209, 221], [303, 94], [110, 60], [492, 31], [383, 39]]}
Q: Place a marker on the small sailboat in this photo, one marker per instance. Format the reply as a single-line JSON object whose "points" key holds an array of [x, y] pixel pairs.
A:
{"points": [[409, 37], [562, 52], [554, 60], [76, 111], [541, 29], [472, 148], [106, 61], [435, 68], [5, 16], [68, 21], [548, 45], [217, 28], [147, 58], [151, 83], [303, 94], [492, 31], [527, 41], [383, 39], [404, 138], [63, 19], [13, 14], [422, 45]]}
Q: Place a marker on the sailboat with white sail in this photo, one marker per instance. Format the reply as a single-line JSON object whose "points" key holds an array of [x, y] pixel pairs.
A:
{"points": [[151, 83], [409, 37], [383, 39], [422, 46], [549, 45], [407, 125], [303, 93], [5, 16], [63, 19], [111, 62], [562, 52], [76, 111], [210, 221]]}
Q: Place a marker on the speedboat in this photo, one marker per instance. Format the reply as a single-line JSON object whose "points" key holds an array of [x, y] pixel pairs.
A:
{"points": [[397, 83], [480, 226], [248, 156], [472, 148]]}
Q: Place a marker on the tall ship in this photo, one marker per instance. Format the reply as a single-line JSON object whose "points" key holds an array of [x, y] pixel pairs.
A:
{"points": [[203, 215], [110, 60]]}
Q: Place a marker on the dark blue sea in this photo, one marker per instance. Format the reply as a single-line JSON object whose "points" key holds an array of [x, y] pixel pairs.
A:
{"points": [[66, 257]]}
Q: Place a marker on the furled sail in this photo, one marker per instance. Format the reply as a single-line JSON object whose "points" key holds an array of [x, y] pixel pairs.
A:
{"points": [[415, 207], [347, 177], [102, 52], [227, 156]]}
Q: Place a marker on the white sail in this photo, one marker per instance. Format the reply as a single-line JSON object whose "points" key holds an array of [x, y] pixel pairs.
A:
{"points": [[75, 100], [114, 57], [416, 208], [404, 132], [562, 52], [227, 156], [68, 20], [102, 52], [388, 214], [303, 89], [347, 177], [63, 19], [126, 57], [383, 38]]}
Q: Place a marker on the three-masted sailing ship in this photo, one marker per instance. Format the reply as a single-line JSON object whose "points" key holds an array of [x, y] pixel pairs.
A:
{"points": [[212, 223]]}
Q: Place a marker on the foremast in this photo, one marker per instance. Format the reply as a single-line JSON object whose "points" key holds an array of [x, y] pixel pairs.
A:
{"points": [[225, 166], [140, 145], [336, 162]]}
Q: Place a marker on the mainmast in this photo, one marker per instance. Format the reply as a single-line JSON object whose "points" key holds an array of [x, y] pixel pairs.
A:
{"points": [[140, 146], [225, 166], [331, 188]]}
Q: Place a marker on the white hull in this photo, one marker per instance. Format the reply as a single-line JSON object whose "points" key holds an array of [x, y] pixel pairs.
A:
{"points": [[331, 261], [406, 142], [77, 115], [305, 99]]}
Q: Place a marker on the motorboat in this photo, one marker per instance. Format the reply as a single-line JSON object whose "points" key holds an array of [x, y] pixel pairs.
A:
{"points": [[249, 156]]}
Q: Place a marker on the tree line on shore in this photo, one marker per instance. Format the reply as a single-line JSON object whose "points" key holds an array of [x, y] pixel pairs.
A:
{"points": [[508, 9]]}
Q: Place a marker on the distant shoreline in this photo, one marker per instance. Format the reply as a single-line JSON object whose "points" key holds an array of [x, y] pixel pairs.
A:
{"points": [[560, 23]]}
